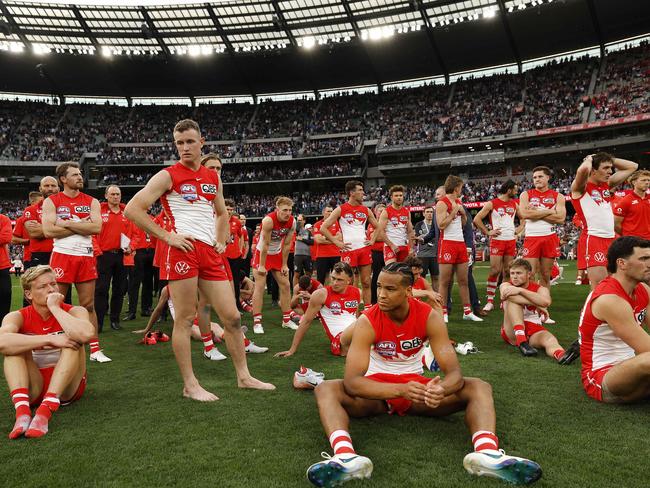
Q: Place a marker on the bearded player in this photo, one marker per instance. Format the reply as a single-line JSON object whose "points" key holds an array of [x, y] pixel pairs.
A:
{"points": [[383, 374], [71, 218], [44, 359], [192, 197], [272, 254]]}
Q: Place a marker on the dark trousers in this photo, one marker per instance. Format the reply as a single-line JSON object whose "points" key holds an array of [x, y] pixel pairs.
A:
{"points": [[110, 271], [144, 275], [429, 265], [290, 264], [5, 292], [235, 269], [272, 287], [246, 266], [377, 265], [473, 292], [324, 267]]}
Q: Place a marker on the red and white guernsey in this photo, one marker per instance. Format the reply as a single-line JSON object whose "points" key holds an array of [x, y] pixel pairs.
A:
{"points": [[74, 209], [397, 348], [396, 228], [599, 347], [454, 231], [595, 211], [503, 217], [278, 233], [353, 221], [33, 324], [531, 313], [189, 203], [339, 310], [540, 200]]}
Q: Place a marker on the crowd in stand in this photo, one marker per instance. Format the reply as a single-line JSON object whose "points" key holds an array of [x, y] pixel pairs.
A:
{"points": [[555, 94], [136, 155]]}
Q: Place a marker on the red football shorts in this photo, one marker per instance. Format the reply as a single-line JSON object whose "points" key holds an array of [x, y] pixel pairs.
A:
{"points": [[541, 247], [402, 253], [226, 265], [531, 328], [202, 261], [503, 248], [596, 250], [46, 373], [582, 251], [358, 257], [398, 405], [593, 382], [335, 344], [452, 252], [73, 269], [273, 261]]}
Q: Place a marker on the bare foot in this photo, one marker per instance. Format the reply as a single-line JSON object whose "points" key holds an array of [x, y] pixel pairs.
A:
{"points": [[254, 384], [199, 394]]}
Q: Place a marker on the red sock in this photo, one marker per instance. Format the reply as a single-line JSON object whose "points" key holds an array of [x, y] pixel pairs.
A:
{"points": [[94, 345], [520, 334], [246, 306], [558, 353], [286, 316], [246, 342], [257, 318], [50, 405], [467, 309], [484, 440], [341, 442], [20, 397], [293, 314], [208, 345], [491, 287]]}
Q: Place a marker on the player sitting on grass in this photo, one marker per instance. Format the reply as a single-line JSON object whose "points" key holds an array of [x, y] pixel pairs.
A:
{"points": [[524, 308], [383, 374], [44, 359], [212, 331], [302, 293], [614, 348], [336, 306]]}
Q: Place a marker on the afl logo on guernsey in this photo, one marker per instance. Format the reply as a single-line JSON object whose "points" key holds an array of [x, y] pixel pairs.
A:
{"points": [[63, 213], [335, 307], [386, 348], [349, 218], [189, 192], [209, 189]]}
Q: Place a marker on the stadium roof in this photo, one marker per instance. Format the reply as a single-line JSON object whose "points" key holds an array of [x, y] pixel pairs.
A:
{"points": [[182, 48]]}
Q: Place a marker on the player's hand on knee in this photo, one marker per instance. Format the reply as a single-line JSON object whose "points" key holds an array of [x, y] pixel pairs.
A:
{"points": [[434, 393], [180, 241], [414, 391], [62, 341], [285, 271]]}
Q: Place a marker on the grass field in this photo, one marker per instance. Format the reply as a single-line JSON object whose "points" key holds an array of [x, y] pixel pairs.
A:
{"points": [[132, 428]]}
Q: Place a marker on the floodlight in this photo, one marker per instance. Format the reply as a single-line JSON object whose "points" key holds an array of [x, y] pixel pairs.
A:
{"points": [[308, 42]]}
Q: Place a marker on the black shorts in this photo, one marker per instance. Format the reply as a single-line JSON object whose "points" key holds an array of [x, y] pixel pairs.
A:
{"points": [[429, 265], [302, 265]]}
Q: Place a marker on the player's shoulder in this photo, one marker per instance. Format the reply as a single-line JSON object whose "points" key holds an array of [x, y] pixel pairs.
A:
{"points": [[13, 321]]}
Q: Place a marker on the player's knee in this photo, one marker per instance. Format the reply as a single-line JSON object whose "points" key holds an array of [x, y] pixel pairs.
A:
{"points": [[231, 320], [365, 282], [478, 387], [326, 390]]}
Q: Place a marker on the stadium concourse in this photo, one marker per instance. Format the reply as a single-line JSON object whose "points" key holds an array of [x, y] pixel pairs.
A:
{"points": [[474, 242]]}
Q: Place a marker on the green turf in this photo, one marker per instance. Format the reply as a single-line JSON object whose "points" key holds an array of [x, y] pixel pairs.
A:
{"points": [[132, 428]]}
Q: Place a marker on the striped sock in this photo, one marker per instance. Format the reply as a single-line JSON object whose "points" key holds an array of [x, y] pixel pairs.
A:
{"points": [[485, 440], [467, 309], [558, 353], [257, 319], [208, 344], [51, 404], [94, 345], [286, 317], [341, 442], [491, 287], [520, 334], [20, 398]]}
